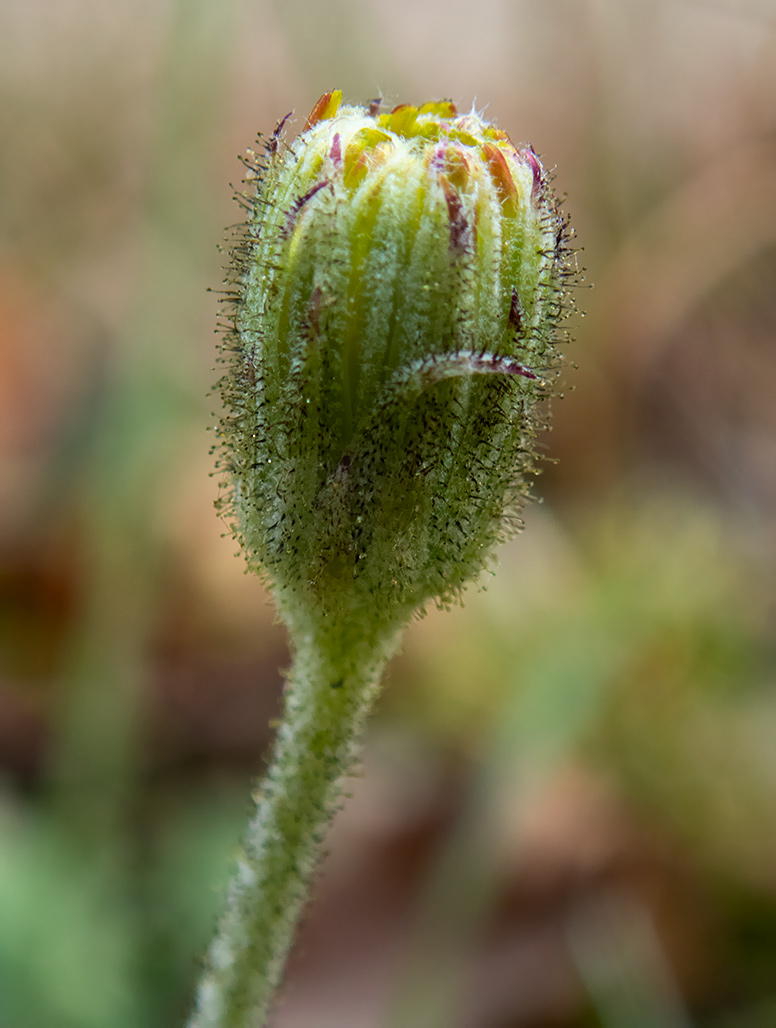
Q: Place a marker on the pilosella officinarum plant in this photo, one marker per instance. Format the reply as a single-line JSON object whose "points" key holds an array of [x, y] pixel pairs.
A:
{"points": [[392, 321]]}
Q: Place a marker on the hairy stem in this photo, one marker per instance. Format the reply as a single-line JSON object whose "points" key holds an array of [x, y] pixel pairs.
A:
{"points": [[331, 688]]}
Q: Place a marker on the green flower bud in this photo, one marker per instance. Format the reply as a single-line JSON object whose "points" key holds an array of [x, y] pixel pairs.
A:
{"points": [[392, 329]]}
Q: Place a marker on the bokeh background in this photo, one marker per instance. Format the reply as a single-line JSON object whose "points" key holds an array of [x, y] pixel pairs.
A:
{"points": [[566, 814]]}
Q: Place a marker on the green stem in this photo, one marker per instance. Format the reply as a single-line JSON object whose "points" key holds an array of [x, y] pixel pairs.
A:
{"points": [[331, 688]]}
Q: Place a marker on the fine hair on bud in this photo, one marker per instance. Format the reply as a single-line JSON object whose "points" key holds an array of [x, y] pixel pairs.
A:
{"points": [[391, 329]]}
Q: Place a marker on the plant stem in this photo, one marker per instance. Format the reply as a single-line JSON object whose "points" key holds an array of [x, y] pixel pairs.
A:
{"points": [[330, 690]]}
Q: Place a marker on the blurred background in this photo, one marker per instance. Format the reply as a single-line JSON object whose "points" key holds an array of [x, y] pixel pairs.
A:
{"points": [[566, 814]]}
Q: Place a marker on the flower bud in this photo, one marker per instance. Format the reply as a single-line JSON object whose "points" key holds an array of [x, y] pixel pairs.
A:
{"points": [[392, 324]]}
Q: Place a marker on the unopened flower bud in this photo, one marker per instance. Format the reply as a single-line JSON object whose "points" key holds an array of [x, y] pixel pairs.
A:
{"points": [[396, 292]]}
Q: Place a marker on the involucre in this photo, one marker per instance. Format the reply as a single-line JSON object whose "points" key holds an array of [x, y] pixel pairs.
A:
{"points": [[395, 295]]}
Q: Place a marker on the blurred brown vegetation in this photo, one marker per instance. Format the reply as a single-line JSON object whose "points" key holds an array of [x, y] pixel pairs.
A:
{"points": [[567, 811]]}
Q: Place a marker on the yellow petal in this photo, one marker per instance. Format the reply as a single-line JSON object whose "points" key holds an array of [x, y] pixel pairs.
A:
{"points": [[327, 107]]}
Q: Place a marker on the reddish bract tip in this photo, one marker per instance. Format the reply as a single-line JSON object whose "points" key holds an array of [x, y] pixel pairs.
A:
{"points": [[516, 311], [500, 173], [527, 154], [459, 226]]}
